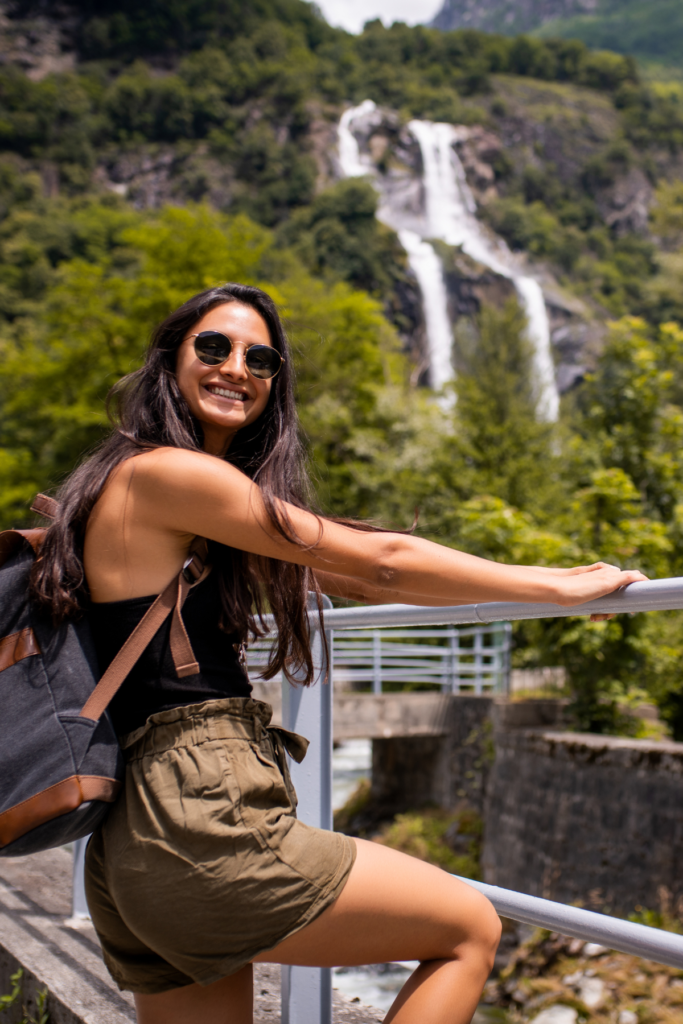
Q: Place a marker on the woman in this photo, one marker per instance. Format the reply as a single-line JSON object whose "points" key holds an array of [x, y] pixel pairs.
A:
{"points": [[201, 868]]}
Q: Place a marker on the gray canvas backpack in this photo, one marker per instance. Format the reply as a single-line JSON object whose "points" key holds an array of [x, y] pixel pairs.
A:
{"points": [[60, 762]]}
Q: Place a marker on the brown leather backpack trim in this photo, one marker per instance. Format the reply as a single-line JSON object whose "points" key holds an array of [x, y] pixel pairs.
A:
{"points": [[13, 540], [17, 646], [45, 506], [59, 799]]}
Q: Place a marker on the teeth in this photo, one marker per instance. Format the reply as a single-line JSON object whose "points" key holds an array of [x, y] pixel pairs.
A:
{"points": [[227, 394]]}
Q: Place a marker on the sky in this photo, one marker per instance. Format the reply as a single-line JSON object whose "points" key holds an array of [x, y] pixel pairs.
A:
{"points": [[352, 14]]}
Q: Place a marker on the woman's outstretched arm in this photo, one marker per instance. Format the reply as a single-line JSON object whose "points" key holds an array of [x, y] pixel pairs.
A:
{"points": [[172, 495], [361, 590]]}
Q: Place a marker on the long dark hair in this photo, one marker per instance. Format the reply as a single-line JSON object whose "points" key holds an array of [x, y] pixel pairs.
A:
{"points": [[148, 411]]}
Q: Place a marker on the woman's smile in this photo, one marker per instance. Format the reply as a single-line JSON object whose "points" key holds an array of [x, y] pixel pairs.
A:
{"points": [[215, 389]]}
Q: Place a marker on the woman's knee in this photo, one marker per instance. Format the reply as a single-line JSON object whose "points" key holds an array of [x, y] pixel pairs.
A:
{"points": [[483, 936]]}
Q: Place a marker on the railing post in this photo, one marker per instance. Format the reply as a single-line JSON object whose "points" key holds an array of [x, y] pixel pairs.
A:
{"points": [[454, 644], [307, 991], [507, 659], [79, 906], [376, 661], [478, 660]]}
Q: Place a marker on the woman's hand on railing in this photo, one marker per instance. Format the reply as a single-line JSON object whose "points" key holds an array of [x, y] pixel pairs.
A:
{"points": [[587, 583], [577, 570]]}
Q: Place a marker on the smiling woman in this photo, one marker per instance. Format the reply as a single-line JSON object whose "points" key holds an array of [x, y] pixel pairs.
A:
{"points": [[205, 465]]}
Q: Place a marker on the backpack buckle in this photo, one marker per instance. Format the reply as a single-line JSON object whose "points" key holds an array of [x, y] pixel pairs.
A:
{"points": [[192, 569]]}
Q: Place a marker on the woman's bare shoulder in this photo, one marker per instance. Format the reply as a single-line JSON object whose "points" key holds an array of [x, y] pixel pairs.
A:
{"points": [[177, 467], [153, 484], [163, 460], [177, 489]]}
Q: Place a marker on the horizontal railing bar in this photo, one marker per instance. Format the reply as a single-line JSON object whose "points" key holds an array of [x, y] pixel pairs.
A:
{"points": [[624, 936], [418, 655], [418, 663], [443, 633], [652, 595], [416, 650], [358, 675]]}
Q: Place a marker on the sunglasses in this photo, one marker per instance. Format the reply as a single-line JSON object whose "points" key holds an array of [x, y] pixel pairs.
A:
{"points": [[212, 348]]}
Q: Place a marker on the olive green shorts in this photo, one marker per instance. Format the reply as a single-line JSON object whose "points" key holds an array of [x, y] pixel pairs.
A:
{"points": [[201, 863]]}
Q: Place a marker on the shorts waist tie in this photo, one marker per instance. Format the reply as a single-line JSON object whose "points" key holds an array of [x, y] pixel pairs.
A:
{"points": [[295, 745]]}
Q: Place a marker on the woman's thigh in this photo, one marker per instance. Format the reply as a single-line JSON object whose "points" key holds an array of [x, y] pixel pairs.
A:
{"points": [[393, 907]]}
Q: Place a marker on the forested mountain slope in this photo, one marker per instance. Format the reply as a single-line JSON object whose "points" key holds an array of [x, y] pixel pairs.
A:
{"points": [[648, 29], [149, 149]]}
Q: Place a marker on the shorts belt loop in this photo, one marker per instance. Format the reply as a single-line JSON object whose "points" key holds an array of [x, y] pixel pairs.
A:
{"points": [[258, 728]]}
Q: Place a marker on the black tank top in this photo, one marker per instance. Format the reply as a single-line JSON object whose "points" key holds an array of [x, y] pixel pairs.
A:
{"points": [[153, 684]]}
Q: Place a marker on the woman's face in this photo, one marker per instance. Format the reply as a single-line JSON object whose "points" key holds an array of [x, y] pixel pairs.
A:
{"points": [[224, 398]]}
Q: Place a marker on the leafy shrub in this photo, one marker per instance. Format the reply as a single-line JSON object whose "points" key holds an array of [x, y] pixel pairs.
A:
{"points": [[432, 834]]}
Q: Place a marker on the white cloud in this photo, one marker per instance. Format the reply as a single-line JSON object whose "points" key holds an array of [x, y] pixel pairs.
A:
{"points": [[352, 14]]}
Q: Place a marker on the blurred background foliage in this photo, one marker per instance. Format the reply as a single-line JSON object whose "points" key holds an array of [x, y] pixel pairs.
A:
{"points": [[85, 272]]}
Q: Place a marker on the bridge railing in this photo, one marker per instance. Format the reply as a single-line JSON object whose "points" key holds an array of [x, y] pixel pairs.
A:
{"points": [[307, 991], [465, 659]]}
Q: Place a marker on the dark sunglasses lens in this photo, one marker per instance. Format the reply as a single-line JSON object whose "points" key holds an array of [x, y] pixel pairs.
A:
{"points": [[262, 361], [212, 348]]}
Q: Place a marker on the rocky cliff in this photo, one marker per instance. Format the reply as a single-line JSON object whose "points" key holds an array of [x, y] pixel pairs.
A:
{"points": [[507, 16]]}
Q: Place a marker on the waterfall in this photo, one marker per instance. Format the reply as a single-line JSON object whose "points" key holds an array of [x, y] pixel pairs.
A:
{"points": [[427, 268], [349, 153], [422, 258], [449, 215]]}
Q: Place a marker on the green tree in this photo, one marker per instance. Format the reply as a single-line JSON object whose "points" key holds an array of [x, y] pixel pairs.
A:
{"points": [[633, 410], [500, 442], [57, 365]]}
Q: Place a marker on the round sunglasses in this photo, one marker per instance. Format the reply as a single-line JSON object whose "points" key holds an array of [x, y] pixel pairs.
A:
{"points": [[212, 348]]}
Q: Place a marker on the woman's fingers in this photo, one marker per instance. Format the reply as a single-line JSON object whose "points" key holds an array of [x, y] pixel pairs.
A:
{"points": [[576, 570], [589, 586]]}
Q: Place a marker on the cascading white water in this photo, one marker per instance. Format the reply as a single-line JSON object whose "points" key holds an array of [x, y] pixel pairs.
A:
{"points": [[349, 153], [428, 270], [422, 258], [450, 209], [450, 216]]}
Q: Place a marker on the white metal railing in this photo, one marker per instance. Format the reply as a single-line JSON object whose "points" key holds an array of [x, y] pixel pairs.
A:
{"points": [[473, 659], [307, 991]]}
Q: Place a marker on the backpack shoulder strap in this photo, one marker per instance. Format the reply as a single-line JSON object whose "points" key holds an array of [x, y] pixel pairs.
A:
{"points": [[45, 506], [169, 602]]}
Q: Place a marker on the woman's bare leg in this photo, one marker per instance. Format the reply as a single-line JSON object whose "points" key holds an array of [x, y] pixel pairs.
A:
{"points": [[228, 1001], [393, 907]]}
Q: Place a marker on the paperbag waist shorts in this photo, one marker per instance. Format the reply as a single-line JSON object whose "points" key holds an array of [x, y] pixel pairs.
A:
{"points": [[202, 864]]}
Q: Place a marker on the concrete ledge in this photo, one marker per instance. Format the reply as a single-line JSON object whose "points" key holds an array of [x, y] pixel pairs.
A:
{"points": [[639, 749], [35, 903], [386, 715], [375, 715], [35, 895]]}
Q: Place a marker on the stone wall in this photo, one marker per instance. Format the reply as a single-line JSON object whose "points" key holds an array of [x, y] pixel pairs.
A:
{"points": [[576, 817], [451, 768], [568, 816]]}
